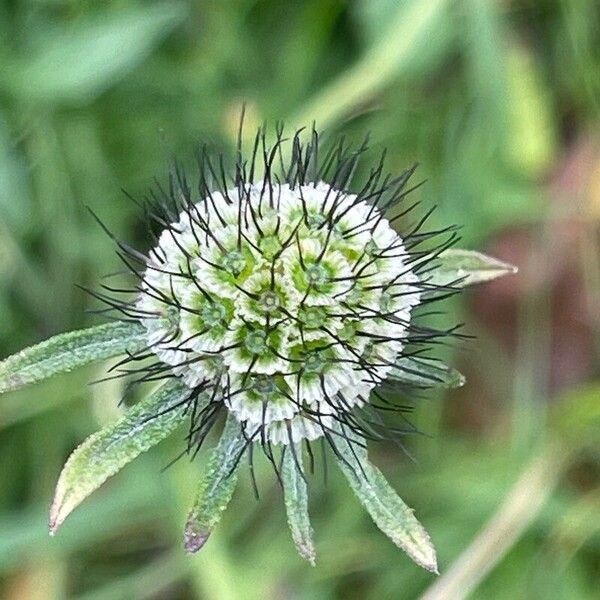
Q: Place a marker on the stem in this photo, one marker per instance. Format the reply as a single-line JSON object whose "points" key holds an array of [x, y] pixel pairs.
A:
{"points": [[503, 530]]}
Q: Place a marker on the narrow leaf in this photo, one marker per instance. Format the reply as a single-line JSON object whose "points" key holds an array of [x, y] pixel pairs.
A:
{"points": [[387, 509], [78, 63], [216, 487], [296, 503], [460, 268], [425, 372], [107, 451], [67, 351], [411, 31]]}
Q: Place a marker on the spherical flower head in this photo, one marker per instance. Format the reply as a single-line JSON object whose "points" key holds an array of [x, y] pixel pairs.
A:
{"points": [[294, 300]]}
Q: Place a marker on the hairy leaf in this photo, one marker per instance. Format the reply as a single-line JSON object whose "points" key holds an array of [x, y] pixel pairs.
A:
{"points": [[67, 351], [296, 502], [107, 451], [459, 268], [425, 372], [216, 487], [387, 509]]}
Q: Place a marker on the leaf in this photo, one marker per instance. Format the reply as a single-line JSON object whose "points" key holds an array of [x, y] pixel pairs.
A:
{"points": [[15, 193], [409, 34], [387, 509], [67, 351], [459, 268], [375, 17], [216, 487], [107, 451], [79, 63], [425, 372], [296, 503]]}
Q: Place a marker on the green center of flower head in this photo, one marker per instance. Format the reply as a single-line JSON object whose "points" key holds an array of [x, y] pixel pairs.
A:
{"points": [[213, 313], [256, 342], [171, 316], [269, 301], [314, 362], [312, 317], [349, 330], [371, 248], [369, 351], [269, 245], [386, 302], [264, 385], [316, 274], [315, 220], [234, 262]]}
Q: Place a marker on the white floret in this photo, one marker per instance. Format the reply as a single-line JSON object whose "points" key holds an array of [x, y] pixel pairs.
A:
{"points": [[256, 260]]}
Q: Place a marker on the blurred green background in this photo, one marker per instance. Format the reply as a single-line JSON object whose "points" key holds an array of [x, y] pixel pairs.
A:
{"points": [[499, 102]]}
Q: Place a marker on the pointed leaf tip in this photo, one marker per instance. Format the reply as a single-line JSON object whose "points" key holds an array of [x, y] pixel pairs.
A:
{"points": [[52, 527], [107, 451], [387, 509], [425, 556], [60, 508], [295, 492], [459, 268], [425, 372], [194, 540], [216, 487]]}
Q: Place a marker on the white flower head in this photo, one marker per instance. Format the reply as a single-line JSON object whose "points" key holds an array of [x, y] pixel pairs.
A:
{"points": [[293, 300]]}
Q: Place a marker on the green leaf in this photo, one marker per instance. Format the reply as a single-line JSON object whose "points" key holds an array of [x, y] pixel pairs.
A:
{"points": [[216, 487], [79, 63], [459, 268], [409, 34], [296, 503], [387, 509], [107, 451], [67, 351], [15, 193], [425, 372]]}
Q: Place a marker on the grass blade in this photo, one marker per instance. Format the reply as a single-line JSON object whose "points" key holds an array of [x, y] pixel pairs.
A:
{"points": [[79, 62], [411, 30]]}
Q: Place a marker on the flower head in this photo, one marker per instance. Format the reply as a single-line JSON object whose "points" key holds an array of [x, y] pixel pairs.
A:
{"points": [[293, 300], [285, 300]]}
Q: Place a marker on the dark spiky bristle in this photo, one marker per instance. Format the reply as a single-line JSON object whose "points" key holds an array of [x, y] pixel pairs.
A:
{"points": [[263, 173]]}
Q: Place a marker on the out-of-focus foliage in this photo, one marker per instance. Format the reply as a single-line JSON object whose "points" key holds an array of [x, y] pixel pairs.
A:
{"points": [[498, 101]]}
